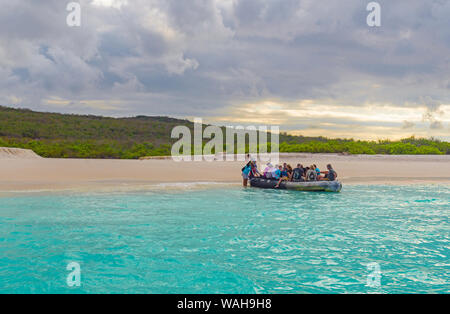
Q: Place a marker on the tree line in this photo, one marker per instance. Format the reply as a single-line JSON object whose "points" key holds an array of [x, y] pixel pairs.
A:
{"points": [[58, 135]]}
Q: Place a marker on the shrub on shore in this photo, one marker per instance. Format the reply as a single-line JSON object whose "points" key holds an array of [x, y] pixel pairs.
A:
{"points": [[76, 136], [129, 150]]}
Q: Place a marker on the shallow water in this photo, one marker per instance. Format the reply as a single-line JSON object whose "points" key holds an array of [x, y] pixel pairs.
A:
{"points": [[230, 240]]}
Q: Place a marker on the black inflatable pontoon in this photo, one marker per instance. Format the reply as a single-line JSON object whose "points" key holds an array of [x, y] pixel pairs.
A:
{"points": [[325, 186]]}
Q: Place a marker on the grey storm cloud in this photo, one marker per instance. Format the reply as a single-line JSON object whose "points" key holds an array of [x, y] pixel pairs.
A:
{"points": [[193, 57], [436, 125], [408, 125]]}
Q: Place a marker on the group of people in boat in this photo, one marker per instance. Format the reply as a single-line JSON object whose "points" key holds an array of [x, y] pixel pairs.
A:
{"points": [[286, 173]]}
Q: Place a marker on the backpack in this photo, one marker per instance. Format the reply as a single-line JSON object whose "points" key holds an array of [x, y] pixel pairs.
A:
{"points": [[297, 174], [331, 175], [243, 168]]}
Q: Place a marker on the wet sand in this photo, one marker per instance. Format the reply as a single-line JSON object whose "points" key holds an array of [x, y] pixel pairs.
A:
{"points": [[42, 174]]}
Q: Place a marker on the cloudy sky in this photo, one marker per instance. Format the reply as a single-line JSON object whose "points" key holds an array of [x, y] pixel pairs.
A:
{"points": [[311, 67]]}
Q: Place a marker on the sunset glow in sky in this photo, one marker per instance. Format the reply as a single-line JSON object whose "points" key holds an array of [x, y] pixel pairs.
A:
{"points": [[312, 68]]}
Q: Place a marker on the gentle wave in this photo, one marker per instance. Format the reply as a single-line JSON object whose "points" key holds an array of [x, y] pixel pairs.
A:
{"points": [[228, 240]]}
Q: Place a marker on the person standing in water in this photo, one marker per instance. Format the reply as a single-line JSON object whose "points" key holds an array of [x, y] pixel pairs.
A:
{"points": [[254, 170], [246, 173]]}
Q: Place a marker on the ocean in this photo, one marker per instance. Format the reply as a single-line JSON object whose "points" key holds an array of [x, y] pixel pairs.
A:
{"points": [[227, 239]]}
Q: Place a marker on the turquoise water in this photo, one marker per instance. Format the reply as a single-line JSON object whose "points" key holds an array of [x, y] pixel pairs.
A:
{"points": [[229, 240]]}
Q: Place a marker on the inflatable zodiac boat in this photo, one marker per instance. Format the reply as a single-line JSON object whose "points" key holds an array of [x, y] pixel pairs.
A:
{"points": [[325, 186]]}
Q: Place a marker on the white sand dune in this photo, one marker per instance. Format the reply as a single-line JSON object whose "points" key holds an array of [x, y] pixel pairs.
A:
{"points": [[22, 170], [17, 153]]}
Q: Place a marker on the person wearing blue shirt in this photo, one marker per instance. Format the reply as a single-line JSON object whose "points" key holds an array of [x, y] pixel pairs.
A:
{"points": [[284, 175], [319, 177], [278, 173], [245, 174]]}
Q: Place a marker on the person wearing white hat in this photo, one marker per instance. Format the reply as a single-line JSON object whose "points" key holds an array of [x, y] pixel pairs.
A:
{"points": [[268, 171]]}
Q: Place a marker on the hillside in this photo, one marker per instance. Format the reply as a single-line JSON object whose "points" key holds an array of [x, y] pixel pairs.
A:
{"points": [[66, 135], [87, 136]]}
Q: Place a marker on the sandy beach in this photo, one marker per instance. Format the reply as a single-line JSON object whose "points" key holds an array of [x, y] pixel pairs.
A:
{"points": [[26, 172]]}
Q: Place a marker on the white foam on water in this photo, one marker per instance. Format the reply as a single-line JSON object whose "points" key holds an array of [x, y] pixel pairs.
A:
{"points": [[120, 187]]}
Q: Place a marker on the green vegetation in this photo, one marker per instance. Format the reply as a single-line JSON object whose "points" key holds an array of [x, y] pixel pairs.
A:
{"points": [[76, 136], [410, 146], [62, 135]]}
